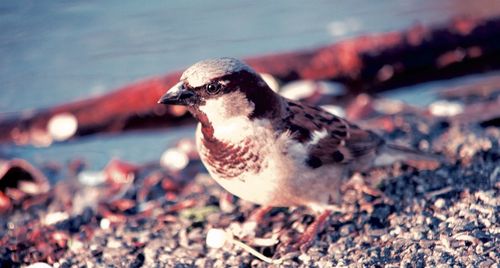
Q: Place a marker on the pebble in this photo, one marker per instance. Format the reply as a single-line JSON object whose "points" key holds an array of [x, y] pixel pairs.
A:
{"points": [[388, 106], [298, 90], [62, 126], [105, 223], [334, 109], [303, 89], [75, 245], [272, 82], [91, 178], [216, 238], [446, 108], [440, 203], [55, 217], [347, 229], [174, 159], [418, 235], [39, 265], [113, 243], [396, 231]]}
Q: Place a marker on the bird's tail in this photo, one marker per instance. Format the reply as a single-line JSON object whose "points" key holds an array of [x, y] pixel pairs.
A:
{"points": [[391, 153]]}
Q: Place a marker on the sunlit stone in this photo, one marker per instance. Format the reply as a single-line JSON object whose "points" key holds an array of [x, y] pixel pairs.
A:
{"points": [[216, 238], [62, 126]]}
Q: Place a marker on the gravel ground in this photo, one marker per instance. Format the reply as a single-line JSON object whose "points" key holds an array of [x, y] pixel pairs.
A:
{"points": [[425, 215]]}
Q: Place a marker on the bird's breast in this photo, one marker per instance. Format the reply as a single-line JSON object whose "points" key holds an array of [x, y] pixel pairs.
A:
{"points": [[230, 160], [250, 166]]}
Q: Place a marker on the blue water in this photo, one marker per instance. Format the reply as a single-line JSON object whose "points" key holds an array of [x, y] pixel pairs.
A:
{"points": [[57, 51]]}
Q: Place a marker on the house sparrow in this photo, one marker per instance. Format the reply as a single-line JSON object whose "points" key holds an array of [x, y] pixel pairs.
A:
{"points": [[270, 150]]}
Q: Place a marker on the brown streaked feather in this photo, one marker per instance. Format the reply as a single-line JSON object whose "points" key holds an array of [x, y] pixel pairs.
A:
{"points": [[230, 160], [225, 159], [344, 143]]}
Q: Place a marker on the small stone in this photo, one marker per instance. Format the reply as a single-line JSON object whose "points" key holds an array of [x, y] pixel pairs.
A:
{"points": [[91, 178], [396, 231], [446, 108], [96, 251], [39, 265], [440, 203], [388, 106], [334, 109], [55, 217], [303, 89], [75, 245], [216, 238], [62, 126], [487, 263], [174, 159], [346, 230], [418, 235], [113, 243], [271, 81], [105, 224], [298, 90]]}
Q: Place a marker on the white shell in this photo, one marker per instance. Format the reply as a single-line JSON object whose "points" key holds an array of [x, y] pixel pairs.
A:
{"points": [[174, 159], [39, 265], [446, 108], [91, 178], [271, 81], [55, 217], [302, 89], [216, 238], [62, 126]]}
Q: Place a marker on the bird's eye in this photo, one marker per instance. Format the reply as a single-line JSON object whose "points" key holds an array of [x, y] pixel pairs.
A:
{"points": [[213, 88]]}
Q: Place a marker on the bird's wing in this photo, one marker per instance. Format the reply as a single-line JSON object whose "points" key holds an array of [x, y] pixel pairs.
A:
{"points": [[330, 139]]}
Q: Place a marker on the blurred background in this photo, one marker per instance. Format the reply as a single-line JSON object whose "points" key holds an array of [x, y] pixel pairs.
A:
{"points": [[53, 52]]}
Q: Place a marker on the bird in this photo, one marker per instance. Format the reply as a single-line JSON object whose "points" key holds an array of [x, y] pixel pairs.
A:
{"points": [[270, 150]]}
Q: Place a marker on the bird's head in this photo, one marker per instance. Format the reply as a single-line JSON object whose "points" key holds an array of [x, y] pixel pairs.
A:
{"points": [[221, 89]]}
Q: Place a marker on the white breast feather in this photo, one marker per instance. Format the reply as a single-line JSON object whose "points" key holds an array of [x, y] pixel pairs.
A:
{"points": [[230, 122]]}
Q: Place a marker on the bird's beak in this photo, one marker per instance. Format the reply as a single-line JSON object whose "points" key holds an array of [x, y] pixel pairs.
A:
{"points": [[178, 95]]}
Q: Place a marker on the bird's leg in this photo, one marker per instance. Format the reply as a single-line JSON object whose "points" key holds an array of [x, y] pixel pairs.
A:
{"points": [[258, 214], [250, 225], [311, 231]]}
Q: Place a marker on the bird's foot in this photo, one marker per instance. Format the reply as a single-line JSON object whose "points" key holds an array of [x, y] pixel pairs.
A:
{"points": [[311, 232], [258, 214]]}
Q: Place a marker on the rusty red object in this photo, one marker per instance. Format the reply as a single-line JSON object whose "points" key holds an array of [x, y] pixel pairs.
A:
{"points": [[123, 204], [485, 113], [5, 203], [368, 63], [120, 172], [114, 218], [169, 185], [120, 176], [188, 203], [19, 182], [18, 172], [360, 107], [60, 238]]}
